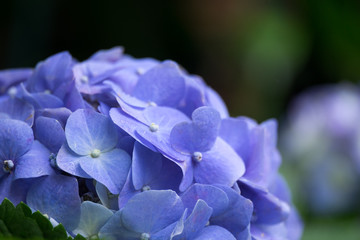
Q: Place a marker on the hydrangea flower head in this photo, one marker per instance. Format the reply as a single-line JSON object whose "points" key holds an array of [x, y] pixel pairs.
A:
{"points": [[123, 148]]}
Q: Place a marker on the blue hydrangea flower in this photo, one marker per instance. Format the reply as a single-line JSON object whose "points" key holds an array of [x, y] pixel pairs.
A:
{"points": [[20, 157], [91, 151], [145, 216], [148, 149]]}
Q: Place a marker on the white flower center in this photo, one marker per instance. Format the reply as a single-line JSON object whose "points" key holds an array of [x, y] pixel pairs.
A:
{"points": [[197, 156], [154, 127], [95, 153]]}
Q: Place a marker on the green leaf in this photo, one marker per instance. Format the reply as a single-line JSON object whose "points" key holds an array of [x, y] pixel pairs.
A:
{"points": [[79, 237], [20, 223], [4, 232], [24, 208]]}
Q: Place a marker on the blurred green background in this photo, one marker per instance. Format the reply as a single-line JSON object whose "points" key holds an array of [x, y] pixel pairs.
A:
{"points": [[257, 54]]}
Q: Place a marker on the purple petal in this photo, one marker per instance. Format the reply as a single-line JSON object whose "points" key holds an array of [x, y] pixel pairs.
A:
{"points": [[60, 114], [50, 74], [236, 132], [110, 168], [11, 77], [16, 138], [87, 130], [198, 136], [108, 55], [215, 101], [34, 163], [129, 125], [163, 84], [268, 209], [58, 197]]}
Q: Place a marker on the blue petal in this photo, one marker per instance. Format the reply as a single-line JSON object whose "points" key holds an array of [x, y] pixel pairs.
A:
{"points": [[16, 138], [34, 163], [58, 197], [151, 211], [268, 209], [109, 55], [40, 100], [114, 229], [195, 95], [14, 190], [49, 132], [166, 118], [215, 101], [236, 132], [129, 125], [110, 168], [220, 165], [198, 136], [196, 221], [236, 218], [146, 165], [50, 74], [60, 114], [18, 110], [213, 196], [163, 84], [107, 199], [215, 233], [69, 162], [11, 77], [73, 99], [87, 130], [92, 218]]}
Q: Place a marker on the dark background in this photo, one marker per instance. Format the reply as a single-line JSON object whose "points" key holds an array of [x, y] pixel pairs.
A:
{"points": [[257, 54]]}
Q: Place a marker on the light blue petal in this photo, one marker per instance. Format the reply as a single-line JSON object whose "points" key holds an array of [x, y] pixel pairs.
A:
{"points": [[69, 162], [107, 199], [87, 130], [92, 218], [110, 168]]}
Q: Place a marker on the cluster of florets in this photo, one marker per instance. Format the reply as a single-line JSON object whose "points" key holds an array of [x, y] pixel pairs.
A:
{"points": [[125, 148], [321, 140]]}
